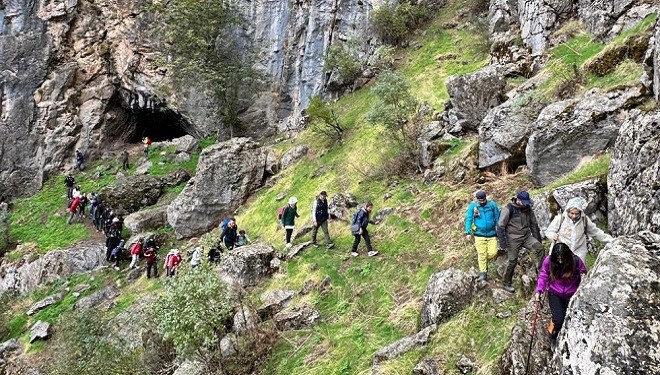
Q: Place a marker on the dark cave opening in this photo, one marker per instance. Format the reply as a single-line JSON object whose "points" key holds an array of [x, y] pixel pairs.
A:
{"points": [[158, 125]]}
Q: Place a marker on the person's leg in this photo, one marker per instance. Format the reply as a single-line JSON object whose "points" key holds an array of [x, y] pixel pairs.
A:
{"points": [[149, 265], [324, 227], [481, 244], [512, 261], [108, 253], [535, 247], [492, 249], [558, 307], [356, 242], [134, 259], [315, 230], [289, 232], [367, 239], [68, 220]]}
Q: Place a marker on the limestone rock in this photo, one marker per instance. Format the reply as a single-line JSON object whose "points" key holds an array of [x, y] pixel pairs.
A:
{"points": [[245, 320], [473, 95], [628, 270], [248, 266], [539, 19], [52, 266], [634, 191], [302, 231], [97, 298], [40, 305], [272, 163], [403, 346], [633, 48], [228, 345], [226, 175], [181, 157], [274, 301], [186, 144], [503, 20], [299, 317], [146, 220], [447, 293], [39, 331], [144, 167], [8, 347], [135, 328], [292, 156], [382, 214], [340, 204], [134, 274], [295, 250], [656, 62], [189, 367], [175, 178], [131, 194], [427, 367], [600, 16], [566, 132]]}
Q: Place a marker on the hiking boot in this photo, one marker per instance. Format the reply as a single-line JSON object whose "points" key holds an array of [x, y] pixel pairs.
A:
{"points": [[315, 245], [331, 245], [288, 245], [508, 288], [483, 276], [372, 253], [551, 328], [354, 253]]}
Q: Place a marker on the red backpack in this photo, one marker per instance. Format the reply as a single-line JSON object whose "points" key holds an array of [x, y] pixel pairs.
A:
{"points": [[280, 212]]}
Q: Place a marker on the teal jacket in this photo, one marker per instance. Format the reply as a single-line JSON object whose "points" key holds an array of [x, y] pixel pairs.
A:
{"points": [[485, 222], [289, 216]]}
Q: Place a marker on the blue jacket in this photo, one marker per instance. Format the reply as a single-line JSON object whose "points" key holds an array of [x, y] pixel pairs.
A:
{"points": [[362, 218], [485, 222]]}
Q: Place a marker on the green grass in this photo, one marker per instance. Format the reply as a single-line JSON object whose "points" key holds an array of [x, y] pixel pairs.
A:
{"points": [[597, 167]]}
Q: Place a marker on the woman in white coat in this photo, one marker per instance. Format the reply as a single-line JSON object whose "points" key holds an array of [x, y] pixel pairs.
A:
{"points": [[572, 228]]}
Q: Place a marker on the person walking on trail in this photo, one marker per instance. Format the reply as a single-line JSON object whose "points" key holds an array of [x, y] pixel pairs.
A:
{"points": [[172, 261], [359, 229], [69, 182], [560, 276], [76, 193], [242, 239], [116, 254], [572, 228], [481, 223], [228, 235], [196, 258], [150, 257], [110, 244], [146, 142], [80, 159], [320, 216], [73, 209], [124, 160], [136, 251], [289, 216], [518, 228]]}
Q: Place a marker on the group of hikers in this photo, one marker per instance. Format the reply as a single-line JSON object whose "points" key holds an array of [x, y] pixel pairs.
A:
{"points": [[515, 227]]}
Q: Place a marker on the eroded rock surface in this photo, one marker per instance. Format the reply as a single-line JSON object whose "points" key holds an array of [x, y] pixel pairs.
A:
{"points": [[447, 293]]}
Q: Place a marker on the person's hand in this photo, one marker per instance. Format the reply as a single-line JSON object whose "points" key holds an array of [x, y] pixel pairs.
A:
{"points": [[360, 231], [316, 224], [468, 237], [537, 297], [555, 237]]}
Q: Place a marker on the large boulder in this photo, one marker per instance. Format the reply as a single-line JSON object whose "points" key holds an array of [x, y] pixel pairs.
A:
{"points": [[292, 156], [551, 202], [473, 95], [145, 220], [612, 321], [227, 173], [274, 301], [633, 186], [39, 331], [340, 204], [175, 178], [132, 193], [656, 62], [447, 293], [540, 18], [298, 317], [569, 131], [248, 266], [606, 19], [55, 265], [97, 298]]}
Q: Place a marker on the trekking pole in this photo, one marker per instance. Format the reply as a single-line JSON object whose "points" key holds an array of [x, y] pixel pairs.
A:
{"points": [[531, 341]]}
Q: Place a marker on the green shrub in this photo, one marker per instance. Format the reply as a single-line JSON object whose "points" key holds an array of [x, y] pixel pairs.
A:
{"points": [[395, 105], [342, 60], [393, 23], [323, 120]]}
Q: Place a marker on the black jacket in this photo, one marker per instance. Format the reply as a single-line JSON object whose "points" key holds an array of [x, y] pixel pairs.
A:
{"points": [[321, 210]]}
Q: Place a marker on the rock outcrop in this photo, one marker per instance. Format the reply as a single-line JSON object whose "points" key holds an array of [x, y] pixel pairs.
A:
{"points": [[632, 182], [146, 220], [569, 131], [292, 156], [55, 265], [447, 293], [611, 325], [132, 194], [248, 266], [42, 304], [226, 175], [39, 331]]}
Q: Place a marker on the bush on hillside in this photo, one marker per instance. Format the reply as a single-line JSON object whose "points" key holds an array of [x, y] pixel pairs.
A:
{"points": [[394, 107], [394, 22], [323, 120], [343, 61]]}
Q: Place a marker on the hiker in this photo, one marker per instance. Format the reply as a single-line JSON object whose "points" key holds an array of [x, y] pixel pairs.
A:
{"points": [[196, 259], [481, 223], [83, 203], [242, 239], [320, 216], [572, 228], [136, 251], [150, 243], [518, 228], [150, 257], [359, 228], [73, 209], [172, 261], [116, 254], [146, 142], [289, 216], [69, 182], [124, 160], [80, 159], [214, 254], [93, 203], [226, 221], [560, 276], [98, 216], [110, 244], [76, 192], [115, 227], [228, 235]]}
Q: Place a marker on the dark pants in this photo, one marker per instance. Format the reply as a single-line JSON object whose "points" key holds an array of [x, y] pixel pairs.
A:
{"points": [[124, 164], [367, 240], [79, 165], [289, 232], [110, 243], [530, 243], [229, 245], [171, 272], [324, 228], [69, 192], [151, 265], [558, 307]]}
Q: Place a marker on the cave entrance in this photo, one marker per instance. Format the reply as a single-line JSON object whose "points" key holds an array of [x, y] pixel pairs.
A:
{"points": [[158, 125]]}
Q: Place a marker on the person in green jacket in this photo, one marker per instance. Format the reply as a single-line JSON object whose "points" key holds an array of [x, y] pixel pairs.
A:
{"points": [[289, 216]]}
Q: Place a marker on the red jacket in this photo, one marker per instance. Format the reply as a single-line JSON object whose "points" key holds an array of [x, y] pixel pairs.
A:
{"points": [[136, 248], [74, 205], [171, 261], [150, 254]]}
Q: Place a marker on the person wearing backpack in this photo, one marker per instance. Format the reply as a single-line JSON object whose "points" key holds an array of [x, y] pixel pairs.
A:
{"points": [[359, 224], [124, 160], [481, 223], [116, 254], [146, 142], [69, 182], [73, 209], [150, 257], [172, 261], [228, 235], [196, 259], [136, 251], [572, 228], [518, 228], [560, 276], [320, 216], [289, 216]]}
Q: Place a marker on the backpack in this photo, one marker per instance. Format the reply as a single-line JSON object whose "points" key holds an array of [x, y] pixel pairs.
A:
{"points": [[280, 212], [355, 228]]}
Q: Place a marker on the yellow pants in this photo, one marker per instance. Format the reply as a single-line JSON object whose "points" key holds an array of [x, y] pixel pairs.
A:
{"points": [[486, 250]]}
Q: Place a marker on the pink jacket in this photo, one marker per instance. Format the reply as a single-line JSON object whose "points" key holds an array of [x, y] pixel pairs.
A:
{"points": [[564, 288]]}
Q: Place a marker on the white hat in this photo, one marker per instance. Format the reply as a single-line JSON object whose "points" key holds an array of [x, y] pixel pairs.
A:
{"points": [[115, 220], [293, 200]]}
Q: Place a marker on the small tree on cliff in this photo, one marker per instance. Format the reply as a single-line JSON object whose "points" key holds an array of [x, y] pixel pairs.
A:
{"points": [[202, 43], [323, 120]]}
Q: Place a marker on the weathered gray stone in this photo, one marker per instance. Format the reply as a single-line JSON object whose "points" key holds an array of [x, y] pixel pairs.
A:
{"points": [[297, 249], [274, 301], [340, 204], [272, 163], [8, 347], [146, 220], [186, 144], [292, 156], [566, 132], [189, 367], [302, 231], [40, 305], [447, 293], [245, 320], [175, 178], [539, 19], [248, 266], [52, 266], [131, 194], [427, 367], [634, 191], [299, 317], [465, 365], [226, 175], [656, 62], [97, 298], [503, 20], [402, 346], [228, 345], [144, 167], [181, 157], [39, 331], [615, 331], [382, 214], [135, 323], [600, 16]]}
